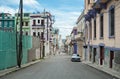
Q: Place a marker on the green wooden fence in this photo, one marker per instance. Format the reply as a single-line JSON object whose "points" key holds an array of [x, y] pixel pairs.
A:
{"points": [[8, 49]]}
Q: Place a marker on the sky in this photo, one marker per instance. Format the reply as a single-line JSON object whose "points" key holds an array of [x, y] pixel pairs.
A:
{"points": [[66, 12]]}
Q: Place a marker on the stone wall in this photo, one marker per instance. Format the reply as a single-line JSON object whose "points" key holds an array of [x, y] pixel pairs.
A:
{"points": [[34, 53]]}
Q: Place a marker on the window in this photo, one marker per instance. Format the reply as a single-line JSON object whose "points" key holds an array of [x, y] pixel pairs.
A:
{"points": [[75, 32], [26, 33], [5, 23], [22, 23], [26, 14], [111, 21], [10, 23], [26, 23], [34, 22], [0, 24], [101, 25], [38, 34], [90, 25], [34, 33], [42, 35], [95, 28], [38, 21], [42, 22]]}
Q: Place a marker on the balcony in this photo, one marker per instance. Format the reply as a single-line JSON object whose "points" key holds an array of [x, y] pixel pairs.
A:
{"points": [[96, 5], [103, 1], [37, 27], [68, 41], [78, 37]]}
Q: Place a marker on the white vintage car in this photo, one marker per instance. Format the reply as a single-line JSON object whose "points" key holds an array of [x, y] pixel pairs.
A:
{"points": [[75, 58]]}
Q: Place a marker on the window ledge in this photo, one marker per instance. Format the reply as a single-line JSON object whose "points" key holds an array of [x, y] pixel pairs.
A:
{"points": [[111, 37]]}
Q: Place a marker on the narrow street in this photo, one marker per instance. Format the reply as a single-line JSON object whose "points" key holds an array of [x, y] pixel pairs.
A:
{"points": [[58, 67]]}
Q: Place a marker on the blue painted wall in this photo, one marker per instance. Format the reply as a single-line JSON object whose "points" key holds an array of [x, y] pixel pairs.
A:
{"points": [[75, 48]]}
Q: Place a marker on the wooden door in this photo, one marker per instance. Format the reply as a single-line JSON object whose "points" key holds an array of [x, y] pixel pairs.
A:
{"points": [[111, 58], [101, 55]]}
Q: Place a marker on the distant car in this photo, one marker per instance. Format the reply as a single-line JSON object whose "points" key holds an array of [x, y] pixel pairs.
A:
{"points": [[75, 58]]}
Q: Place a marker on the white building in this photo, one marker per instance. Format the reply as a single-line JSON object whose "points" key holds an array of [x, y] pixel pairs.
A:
{"points": [[41, 26]]}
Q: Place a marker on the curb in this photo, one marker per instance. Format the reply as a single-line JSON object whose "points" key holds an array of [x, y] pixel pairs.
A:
{"points": [[14, 69], [114, 75]]}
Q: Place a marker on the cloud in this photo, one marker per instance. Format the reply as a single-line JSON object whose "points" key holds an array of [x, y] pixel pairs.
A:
{"points": [[65, 21], [33, 4], [65, 11], [29, 5], [7, 9]]}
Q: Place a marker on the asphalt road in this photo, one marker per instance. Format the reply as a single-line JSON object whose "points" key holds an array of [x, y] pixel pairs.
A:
{"points": [[58, 67]]}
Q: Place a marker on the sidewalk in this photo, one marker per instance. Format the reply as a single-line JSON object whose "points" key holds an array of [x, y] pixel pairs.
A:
{"points": [[10, 70], [104, 69]]}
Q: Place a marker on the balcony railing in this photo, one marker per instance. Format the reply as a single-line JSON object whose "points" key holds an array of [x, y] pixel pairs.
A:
{"points": [[78, 36], [37, 26], [103, 1]]}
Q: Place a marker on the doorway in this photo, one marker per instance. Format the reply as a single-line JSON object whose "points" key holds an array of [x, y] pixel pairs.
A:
{"points": [[101, 55], [111, 58], [94, 55]]}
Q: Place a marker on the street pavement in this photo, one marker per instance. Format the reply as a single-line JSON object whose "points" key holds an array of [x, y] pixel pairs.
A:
{"points": [[58, 67]]}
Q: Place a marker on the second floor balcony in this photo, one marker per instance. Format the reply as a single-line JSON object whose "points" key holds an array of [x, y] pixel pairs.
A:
{"points": [[78, 36], [38, 26]]}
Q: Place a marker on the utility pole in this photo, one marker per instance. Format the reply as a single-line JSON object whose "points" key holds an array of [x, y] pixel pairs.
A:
{"points": [[43, 39], [20, 38], [46, 17], [47, 27]]}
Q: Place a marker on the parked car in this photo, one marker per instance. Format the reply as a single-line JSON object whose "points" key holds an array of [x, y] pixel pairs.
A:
{"points": [[75, 58]]}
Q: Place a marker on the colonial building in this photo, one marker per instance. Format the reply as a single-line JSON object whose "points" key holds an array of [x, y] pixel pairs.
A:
{"points": [[73, 41], [54, 45], [69, 46], [103, 32], [41, 26], [37, 24], [25, 23], [7, 22], [79, 37]]}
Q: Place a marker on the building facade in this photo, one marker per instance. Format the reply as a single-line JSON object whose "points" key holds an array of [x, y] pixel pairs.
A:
{"points": [[25, 23], [41, 26], [54, 41], [69, 46], [102, 27], [73, 40], [79, 37], [7, 22]]}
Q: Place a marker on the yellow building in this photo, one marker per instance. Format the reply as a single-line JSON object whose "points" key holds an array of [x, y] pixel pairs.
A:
{"points": [[79, 37], [103, 32]]}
